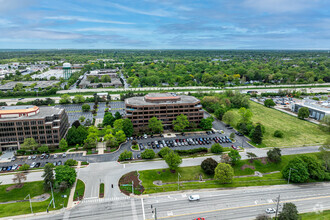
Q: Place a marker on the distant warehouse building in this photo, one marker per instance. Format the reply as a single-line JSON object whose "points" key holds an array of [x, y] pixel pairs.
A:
{"points": [[317, 109], [165, 106], [47, 125]]}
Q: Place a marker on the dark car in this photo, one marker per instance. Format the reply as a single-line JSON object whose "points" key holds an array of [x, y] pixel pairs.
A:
{"points": [[46, 156], [37, 165], [239, 134], [138, 156], [9, 168], [4, 168]]}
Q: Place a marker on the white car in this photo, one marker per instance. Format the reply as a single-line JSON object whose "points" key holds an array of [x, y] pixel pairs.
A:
{"points": [[145, 136], [29, 157], [193, 197], [270, 211], [14, 167], [55, 156], [32, 164]]}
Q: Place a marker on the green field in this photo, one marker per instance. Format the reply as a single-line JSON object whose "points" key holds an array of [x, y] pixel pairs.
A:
{"points": [[296, 132], [34, 189], [80, 189], [316, 216]]}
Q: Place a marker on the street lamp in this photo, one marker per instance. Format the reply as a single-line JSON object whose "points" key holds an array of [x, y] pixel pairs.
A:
{"points": [[30, 202], [290, 174], [51, 187]]}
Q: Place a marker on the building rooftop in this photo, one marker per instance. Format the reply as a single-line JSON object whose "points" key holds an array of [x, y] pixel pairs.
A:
{"points": [[161, 98], [43, 112], [41, 84]]}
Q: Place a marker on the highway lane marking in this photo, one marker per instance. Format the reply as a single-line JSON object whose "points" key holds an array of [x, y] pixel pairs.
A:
{"points": [[144, 216], [133, 209], [263, 204]]}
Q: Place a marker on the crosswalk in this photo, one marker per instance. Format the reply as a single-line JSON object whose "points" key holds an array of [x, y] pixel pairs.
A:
{"points": [[100, 200]]}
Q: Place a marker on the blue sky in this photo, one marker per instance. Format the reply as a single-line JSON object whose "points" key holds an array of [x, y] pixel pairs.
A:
{"points": [[165, 24]]}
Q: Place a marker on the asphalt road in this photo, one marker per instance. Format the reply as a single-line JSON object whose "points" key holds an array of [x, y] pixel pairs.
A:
{"points": [[240, 203]]}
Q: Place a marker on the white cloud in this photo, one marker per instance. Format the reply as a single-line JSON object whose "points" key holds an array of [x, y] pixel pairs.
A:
{"points": [[280, 6], [154, 12], [117, 30], [82, 19]]}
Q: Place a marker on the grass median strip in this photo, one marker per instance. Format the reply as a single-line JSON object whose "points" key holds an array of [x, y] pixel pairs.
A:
{"points": [[101, 193], [80, 190]]}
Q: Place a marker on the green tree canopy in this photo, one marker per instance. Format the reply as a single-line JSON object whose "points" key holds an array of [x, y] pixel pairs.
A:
{"points": [[173, 160], [274, 155], [216, 148], [164, 151], [148, 154], [289, 212], [303, 113], [224, 173], [78, 99], [180, 123], [206, 123], [209, 165], [299, 171], [155, 125], [108, 119], [65, 99], [120, 136], [228, 117], [29, 144], [128, 127], [256, 135], [63, 144], [234, 156], [269, 103], [125, 155], [65, 174], [85, 108], [245, 114], [43, 149], [48, 176]]}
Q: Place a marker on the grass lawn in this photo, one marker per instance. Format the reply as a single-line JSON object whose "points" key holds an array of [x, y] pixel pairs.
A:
{"points": [[101, 193], [34, 188], [193, 173], [296, 132], [80, 190], [316, 216]]}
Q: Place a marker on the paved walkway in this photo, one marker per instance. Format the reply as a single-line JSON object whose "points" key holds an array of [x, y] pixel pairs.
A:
{"points": [[100, 147], [73, 189]]}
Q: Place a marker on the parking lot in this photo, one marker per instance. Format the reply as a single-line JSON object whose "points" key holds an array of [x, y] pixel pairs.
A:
{"points": [[182, 142], [51, 159], [74, 110]]}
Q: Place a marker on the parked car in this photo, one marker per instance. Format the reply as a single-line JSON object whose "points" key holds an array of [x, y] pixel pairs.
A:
{"points": [[34, 157], [64, 155], [37, 165], [13, 158], [42, 156], [55, 156], [32, 164], [59, 163], [145, 136], [9, 168], [193, 197], [29, 157], [234, 147], [47, 156], [55, 164], [270, 210], [14, 167], [4, 168]]}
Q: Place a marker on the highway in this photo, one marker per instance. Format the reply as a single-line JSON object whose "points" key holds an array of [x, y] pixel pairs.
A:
{"points": [[239, 203]]}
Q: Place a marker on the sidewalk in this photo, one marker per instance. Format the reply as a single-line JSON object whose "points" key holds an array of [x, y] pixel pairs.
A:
{"points": [[73, 189], [100, 147]]}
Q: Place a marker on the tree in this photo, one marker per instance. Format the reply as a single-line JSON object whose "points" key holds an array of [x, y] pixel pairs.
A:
{"points": [[135, 83], [120, 136], [118, 116], [234, 156], [29, 144], [228, 117], [63, 144], [274, 155], [256, 135], [128, 127], [148, 154], [209, 165], [278, 134], [180, 123], [48, 176], [219, 112], [263, 217], [24, 167], [303, 112], [245, 114], [155, 125], [224, 173], [78, 99], [269, 103], [325, 123], [118, 124], [71, 162], [88, 122], [217, 148], [19, 178], [325, 153], [251, 155], [108, 119], [314, 167], [82, 118], [110, 140], [85, 108], [76, 124], [299, 171], [289, 212], [232, 135], [43, 149], [173, 160], [164, 151], [125, 155], [66, 174], [206, 123], [65, 99], [63, 186]]}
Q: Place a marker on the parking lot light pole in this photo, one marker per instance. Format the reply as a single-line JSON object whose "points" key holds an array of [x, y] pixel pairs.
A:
{"points": [[179, 180], [51, 187], [30, 202]]}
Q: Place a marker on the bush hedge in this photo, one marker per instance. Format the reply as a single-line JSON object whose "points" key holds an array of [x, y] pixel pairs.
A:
{"points": [[191, 151]]}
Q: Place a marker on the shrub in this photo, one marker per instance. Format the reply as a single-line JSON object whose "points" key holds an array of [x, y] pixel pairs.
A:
{"points": [[224, 173], [191, 151], [126, 155], [217, 149], [278, 134], [269, 103], [84, 163], [71, 162], [24, 167], [209, 165], [274, 155], [148, 154]]}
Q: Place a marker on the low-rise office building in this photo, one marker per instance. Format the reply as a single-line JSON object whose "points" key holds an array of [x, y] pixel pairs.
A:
{"points": [[317, 109], [47, 125], [165, 106]]}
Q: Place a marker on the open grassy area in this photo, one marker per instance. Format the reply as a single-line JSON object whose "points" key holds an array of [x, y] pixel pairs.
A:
{"points": [[316, 216], [34, 188], [194, 172], [296, 132], [80, 190]]}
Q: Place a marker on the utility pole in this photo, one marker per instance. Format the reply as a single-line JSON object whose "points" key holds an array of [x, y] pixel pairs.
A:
{"points": [[278, 202], [51, 187]]}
